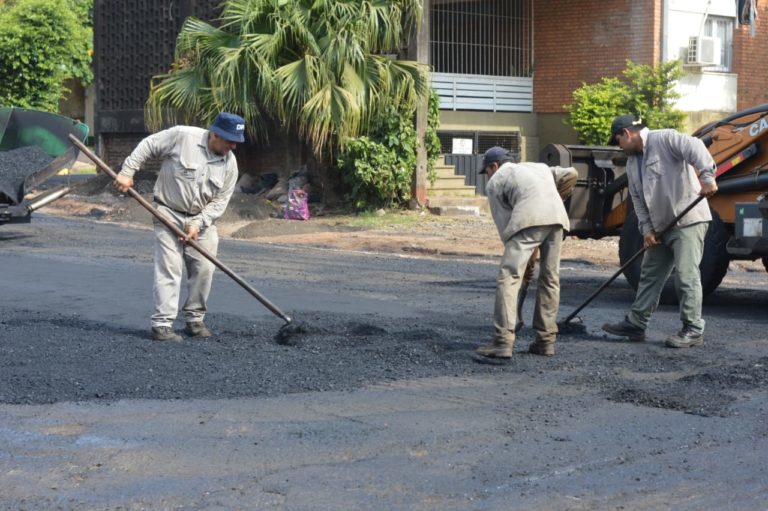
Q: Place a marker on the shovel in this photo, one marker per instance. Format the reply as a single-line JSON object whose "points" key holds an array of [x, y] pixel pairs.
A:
{"points": [[285, 332], [566, 326]]}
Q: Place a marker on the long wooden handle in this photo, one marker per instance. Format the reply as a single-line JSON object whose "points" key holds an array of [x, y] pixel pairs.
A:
{"points": [[181, 234]]}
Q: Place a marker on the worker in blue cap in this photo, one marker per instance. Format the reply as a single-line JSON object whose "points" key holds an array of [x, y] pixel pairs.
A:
{"points": [[196, 180]]}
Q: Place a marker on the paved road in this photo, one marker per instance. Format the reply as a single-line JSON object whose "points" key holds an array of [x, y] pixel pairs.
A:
{"points": [[402, 416]]}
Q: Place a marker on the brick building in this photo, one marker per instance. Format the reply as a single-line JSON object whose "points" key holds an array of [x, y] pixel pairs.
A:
{"points": [[504, 68], [580, 41]]}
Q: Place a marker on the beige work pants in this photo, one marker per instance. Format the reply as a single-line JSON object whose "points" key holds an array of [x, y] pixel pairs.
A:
{"points": [[517, 255], [171, 258]]}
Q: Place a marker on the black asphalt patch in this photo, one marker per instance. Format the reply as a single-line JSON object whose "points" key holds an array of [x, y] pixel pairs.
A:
{"points": [[16, 165], [47, 358]]}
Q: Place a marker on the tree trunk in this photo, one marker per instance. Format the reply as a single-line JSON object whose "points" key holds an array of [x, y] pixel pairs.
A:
{"points": [[418, 50]]}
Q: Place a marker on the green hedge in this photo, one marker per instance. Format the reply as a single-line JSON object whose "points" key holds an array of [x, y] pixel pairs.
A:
{"points": [[646, 91], [42, 43]]}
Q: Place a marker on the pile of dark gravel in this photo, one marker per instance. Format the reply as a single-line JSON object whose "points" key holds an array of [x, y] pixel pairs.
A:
{"points": [[16, 165], [46, 358]]}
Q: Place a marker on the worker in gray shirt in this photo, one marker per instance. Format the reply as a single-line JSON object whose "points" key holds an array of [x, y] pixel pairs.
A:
{"points": [[196, 180], [529, 214], [663, 181]]}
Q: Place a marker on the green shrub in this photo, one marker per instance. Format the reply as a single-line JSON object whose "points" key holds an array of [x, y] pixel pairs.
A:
{"points": [[646, 91], [378, 168], [653, 95], [42, 43], [431, 140]]}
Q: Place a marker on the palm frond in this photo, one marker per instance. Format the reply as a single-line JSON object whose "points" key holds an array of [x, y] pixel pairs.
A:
{"points": [[316, 67]]}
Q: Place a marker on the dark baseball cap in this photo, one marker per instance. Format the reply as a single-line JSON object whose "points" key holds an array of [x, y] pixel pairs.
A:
{"points": [[622, 122], [229, 127], [493, 154]]}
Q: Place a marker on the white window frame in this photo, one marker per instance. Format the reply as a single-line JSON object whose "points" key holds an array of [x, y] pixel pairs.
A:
{"points": [[721, 27]]}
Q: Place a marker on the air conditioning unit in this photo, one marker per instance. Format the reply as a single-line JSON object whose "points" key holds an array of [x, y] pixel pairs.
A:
{"points": [[703, 51]]}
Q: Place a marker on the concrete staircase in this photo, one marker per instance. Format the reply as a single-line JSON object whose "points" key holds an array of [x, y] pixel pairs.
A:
{"points": [[450, 196]]}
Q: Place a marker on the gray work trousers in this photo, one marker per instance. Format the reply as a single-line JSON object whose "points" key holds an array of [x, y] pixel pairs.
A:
{"points": [[517, 255], [171, 257], [681, 248]]}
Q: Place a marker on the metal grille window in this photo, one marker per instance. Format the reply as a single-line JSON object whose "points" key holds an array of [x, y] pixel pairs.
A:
{"points": [[481, 141], [135, 40], [722, 29], [482, 37]]}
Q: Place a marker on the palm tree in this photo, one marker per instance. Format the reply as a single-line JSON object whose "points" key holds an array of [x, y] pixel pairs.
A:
{"points": [[321, 69]]}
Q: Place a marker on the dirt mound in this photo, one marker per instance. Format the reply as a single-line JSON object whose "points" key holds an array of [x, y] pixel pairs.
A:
{"points": [[106, 203], [245, 206]]}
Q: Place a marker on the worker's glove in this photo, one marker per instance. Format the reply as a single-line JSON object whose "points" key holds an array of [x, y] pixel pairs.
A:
{"points": [[565, 180]]}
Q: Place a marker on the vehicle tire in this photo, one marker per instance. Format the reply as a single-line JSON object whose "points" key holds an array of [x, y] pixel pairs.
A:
{"points": [[714, 262]]}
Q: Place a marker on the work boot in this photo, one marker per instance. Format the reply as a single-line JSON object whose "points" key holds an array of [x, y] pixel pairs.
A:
{"points": [[165, 333], [684, 339], [539, 347], [521, 294], [197, 329], [625, 329], [496, 349]]}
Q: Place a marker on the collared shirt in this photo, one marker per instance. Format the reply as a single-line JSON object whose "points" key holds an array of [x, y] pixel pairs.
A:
{"points": [[192, 178], [663, 179], [525, 194]]}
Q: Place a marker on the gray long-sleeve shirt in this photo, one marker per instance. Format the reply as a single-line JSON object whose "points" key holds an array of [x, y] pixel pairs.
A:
{"points": [[192, 179], [667, 182], [525, 194]]}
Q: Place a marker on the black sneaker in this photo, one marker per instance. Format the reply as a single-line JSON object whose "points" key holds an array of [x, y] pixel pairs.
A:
{"points": [[625, 329], [685, 339]]}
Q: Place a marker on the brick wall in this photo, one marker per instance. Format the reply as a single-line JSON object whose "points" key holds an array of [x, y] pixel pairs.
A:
{"points": [[578, 41], [749, 61], [116, 146]]}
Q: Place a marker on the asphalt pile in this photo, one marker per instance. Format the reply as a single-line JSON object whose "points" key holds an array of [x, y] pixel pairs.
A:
{"points": [[16, 165], [48, 357]]}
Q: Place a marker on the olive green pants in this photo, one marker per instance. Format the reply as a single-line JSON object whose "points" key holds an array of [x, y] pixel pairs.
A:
{"points": [[681, 249], [517, 256]]}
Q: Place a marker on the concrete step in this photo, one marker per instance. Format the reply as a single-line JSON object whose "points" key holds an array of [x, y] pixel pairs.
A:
{"points": [[449, 185], [476, 200], [458, 206], [450, 182], [451, 192], [444, 171]]}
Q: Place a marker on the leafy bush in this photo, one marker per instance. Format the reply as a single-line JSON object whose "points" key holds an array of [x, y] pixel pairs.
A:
{"points": [[378, 167], [646, 91], [42, 43], [431, 140]]}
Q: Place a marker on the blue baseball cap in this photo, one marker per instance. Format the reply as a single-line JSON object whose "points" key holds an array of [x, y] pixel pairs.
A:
{"points": [[229, 127], [493, 154]]}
